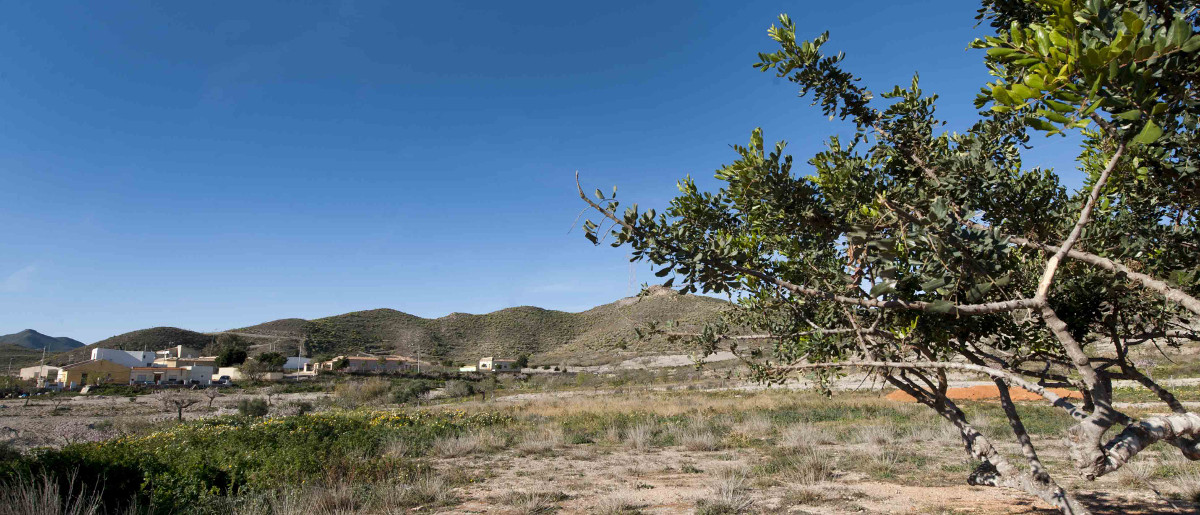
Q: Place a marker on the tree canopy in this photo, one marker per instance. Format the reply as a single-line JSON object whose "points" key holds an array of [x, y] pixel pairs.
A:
{"points": [[912, 252]]}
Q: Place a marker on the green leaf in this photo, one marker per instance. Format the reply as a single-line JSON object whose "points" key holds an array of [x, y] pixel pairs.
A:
{"points": [[1132, 22], [1039, 124], [940, 306], [599, 194], [1059, 106], [1149, 134], [883, 288], [933, 284], [1132, 114], [1191, 45]]}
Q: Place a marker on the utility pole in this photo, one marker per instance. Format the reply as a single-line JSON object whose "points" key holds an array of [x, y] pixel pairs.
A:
{"points": [[418, 356], [42, 373]]}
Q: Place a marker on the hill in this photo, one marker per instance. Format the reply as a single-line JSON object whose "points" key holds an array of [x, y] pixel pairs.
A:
{"points": [[549, 336], [18, 356], [34, 340], [155, 338]]}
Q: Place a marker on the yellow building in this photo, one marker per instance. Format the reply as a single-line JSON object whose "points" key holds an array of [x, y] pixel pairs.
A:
{"points": [[93, 371]]}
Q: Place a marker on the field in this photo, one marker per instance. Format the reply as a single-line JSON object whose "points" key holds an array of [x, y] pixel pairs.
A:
{"points": [[671, 440]]}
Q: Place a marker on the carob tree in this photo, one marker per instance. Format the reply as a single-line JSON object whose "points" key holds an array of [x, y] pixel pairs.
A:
{"points": [[911, 253]]}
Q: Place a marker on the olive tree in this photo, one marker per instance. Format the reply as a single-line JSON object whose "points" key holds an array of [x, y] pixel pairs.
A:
{"points": [[914, 253]]}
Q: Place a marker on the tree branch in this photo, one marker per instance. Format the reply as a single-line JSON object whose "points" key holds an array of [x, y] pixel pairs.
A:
{"points": [[1077, 231], [993, 372]]}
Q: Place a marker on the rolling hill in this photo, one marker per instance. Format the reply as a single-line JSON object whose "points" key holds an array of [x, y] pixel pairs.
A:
{"points": [[155, 338], [599, 334], [34, 340], [549, 336]]}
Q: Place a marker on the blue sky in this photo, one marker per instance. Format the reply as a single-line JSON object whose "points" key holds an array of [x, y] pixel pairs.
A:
{"points": [[211, 165]]}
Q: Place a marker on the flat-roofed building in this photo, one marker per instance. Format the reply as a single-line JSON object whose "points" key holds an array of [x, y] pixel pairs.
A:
{"points": [[93, 371]]}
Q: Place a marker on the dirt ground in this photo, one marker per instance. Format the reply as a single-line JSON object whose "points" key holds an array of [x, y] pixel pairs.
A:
{"points": [[612, 477], [670, 481]]}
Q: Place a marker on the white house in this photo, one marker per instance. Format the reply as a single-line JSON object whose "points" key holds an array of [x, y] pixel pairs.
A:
{"points": [[296, 363], [36, 371], [128, 358], [178, 351], [491, 364]]}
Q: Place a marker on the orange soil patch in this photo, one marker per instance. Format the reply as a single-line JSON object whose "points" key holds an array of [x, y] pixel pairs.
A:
{"points": [[989, 392]]}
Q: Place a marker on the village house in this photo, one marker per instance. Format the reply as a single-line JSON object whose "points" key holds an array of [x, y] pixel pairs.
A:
{"points": [[196, 374], [178, 351], [93, 371], [297, 363], [206, 361], [38, 372], [369, 364], [129, 358], [491, 364]]}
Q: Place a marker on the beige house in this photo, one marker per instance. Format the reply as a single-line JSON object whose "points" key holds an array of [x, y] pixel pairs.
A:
{"points": [[39, 371], [207, 361], [369, 364], [178, 351], [93, 371], [491, 364], [198, 374]]}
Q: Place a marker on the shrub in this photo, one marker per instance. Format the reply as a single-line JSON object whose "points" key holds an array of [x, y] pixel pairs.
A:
{"points": [[408, 390], [456, 388], [253, 407], [199, 466], [360, 393]]}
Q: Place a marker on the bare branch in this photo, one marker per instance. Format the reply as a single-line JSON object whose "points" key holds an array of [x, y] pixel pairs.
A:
{"points": [[1085, 216], [993, 372]]}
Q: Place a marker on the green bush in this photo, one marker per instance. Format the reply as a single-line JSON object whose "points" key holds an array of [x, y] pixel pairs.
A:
{"points": [[197, 466], [253, 407], [406, 390]]}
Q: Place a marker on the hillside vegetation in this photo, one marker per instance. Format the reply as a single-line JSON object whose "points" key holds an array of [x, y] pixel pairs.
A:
{"points": [[18, 356], [602, 333], [550, 336], [155, 338]]}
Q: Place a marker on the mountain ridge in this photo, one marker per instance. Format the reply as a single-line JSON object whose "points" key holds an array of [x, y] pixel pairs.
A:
{"points": [[33, 340], [551, 336]]}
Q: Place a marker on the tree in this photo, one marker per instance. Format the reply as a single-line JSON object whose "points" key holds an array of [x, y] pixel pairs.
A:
{"points": [[231, 357], [224, 341], [272, 360], [212, 393], [522, 361], [911, 253], [177, 401]]}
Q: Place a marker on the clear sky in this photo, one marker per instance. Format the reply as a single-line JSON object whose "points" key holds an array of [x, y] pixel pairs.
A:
{"points": [[211, 165]]}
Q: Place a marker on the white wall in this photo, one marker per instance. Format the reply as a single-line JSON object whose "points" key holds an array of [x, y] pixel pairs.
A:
{"points": [[127, 358], [295, 363], [200, 373]]}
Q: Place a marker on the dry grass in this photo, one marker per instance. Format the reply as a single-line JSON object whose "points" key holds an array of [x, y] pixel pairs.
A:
{"points": [[730, 495], [531, 503], [541, 440], [803, 466], [373, 391], [804, 436], [755, 425], [617, 505], [698, 439], [43, 496], [641, 436], [467, 444], [340, 498], [874, 435]]}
